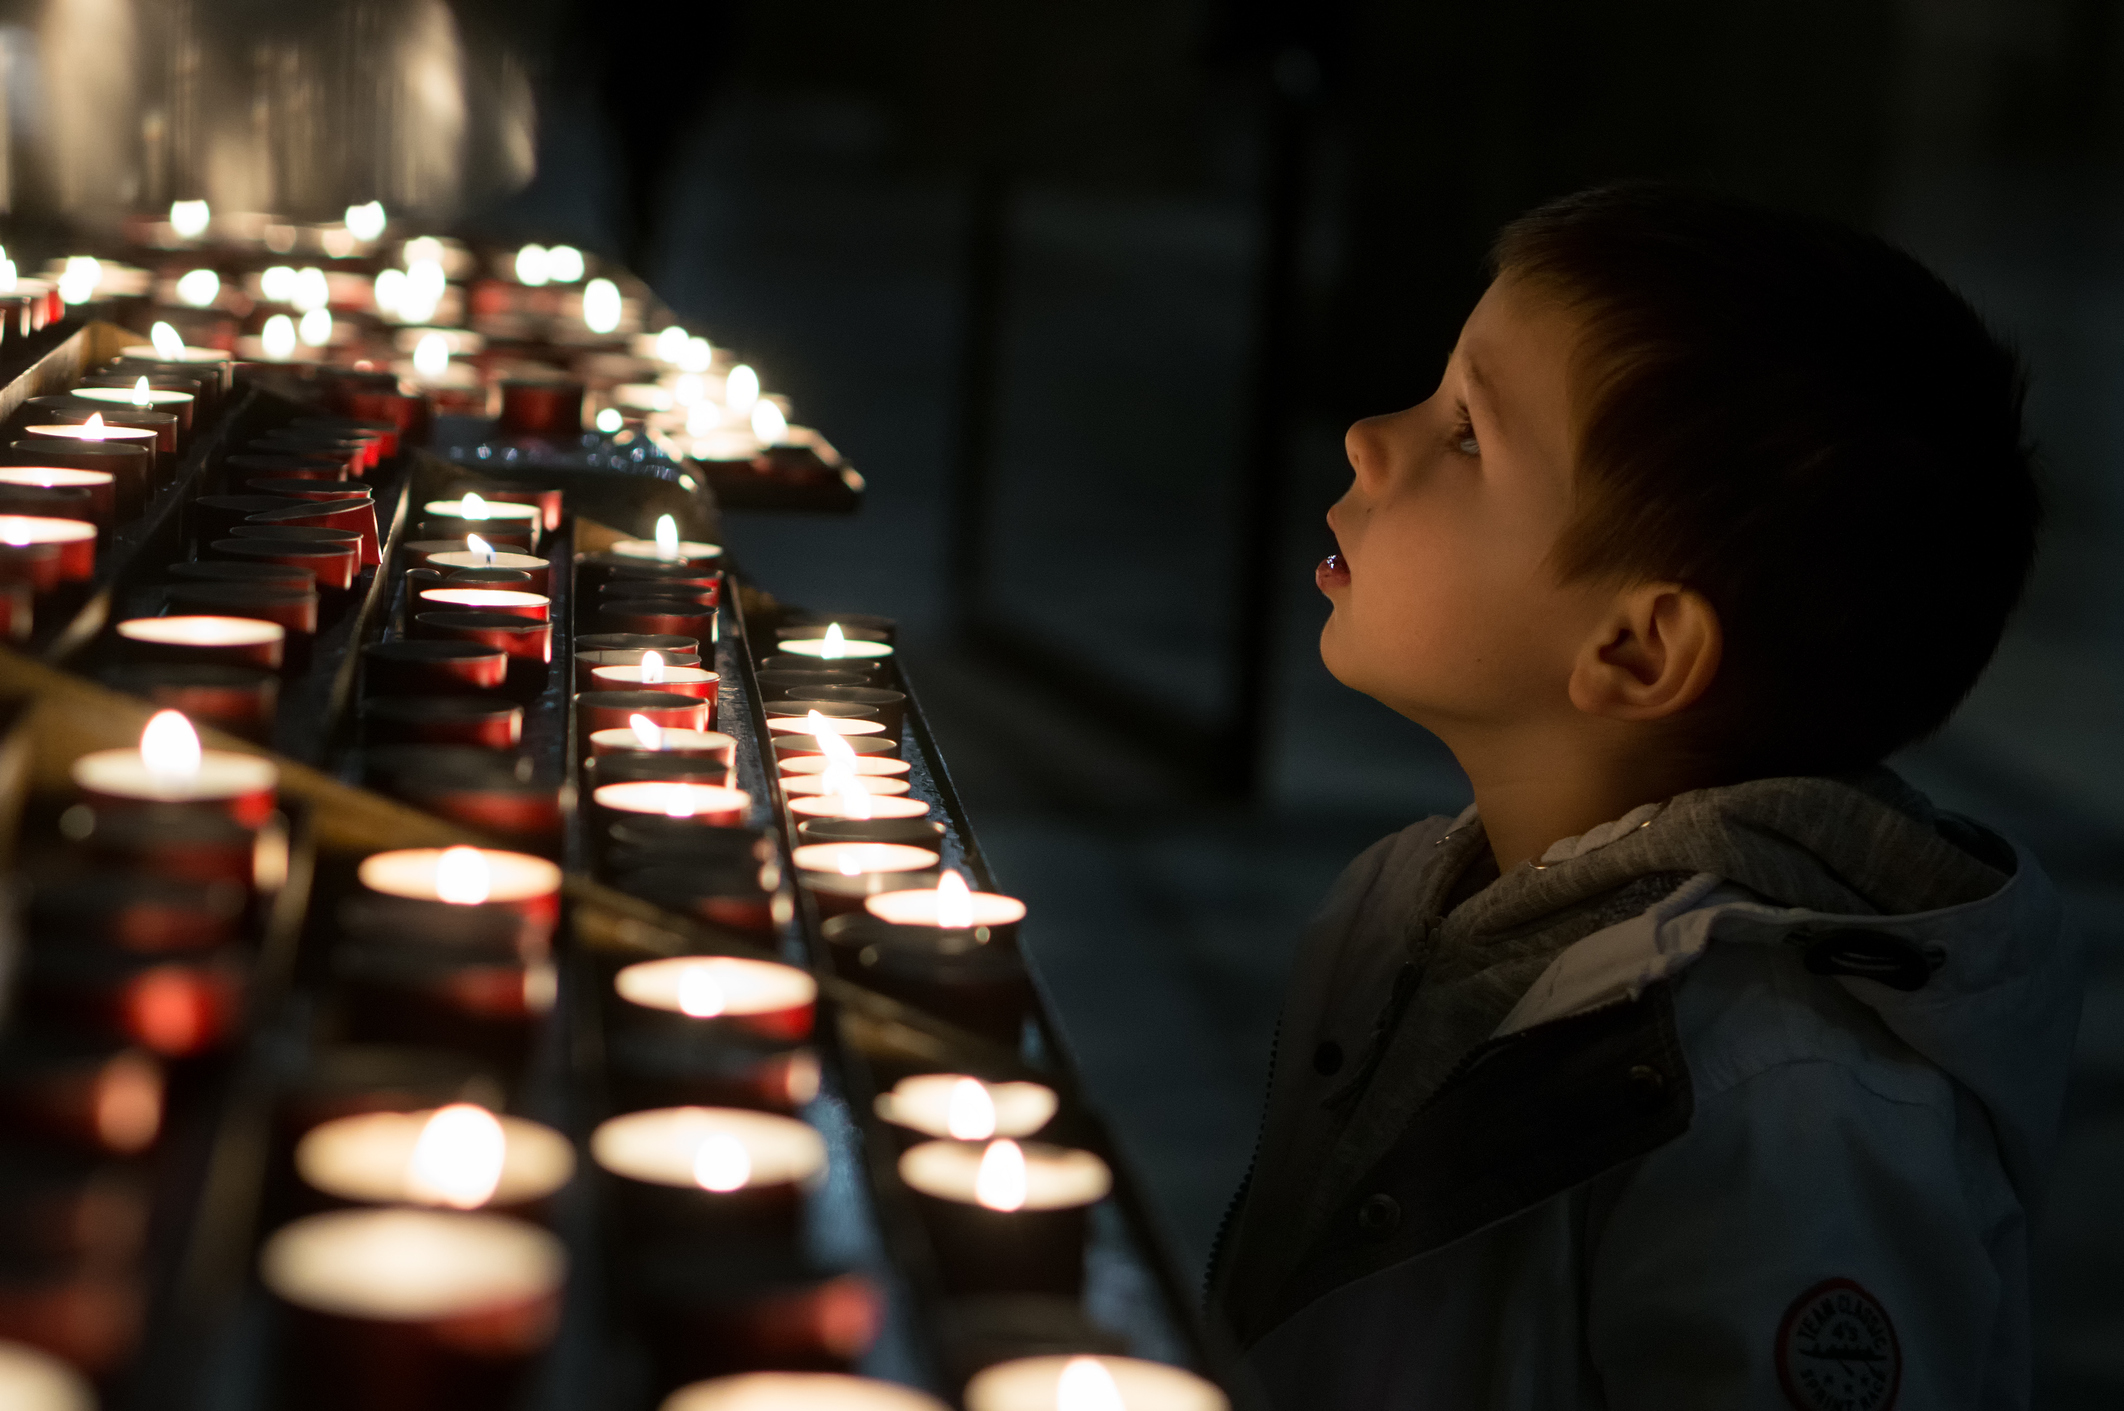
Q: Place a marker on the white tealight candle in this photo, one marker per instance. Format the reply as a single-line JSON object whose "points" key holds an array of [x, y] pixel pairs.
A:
{"points": [[505, 514], [170, 767], [1004, 1175], [461, 1156], [647, 737], [822, 784], [950, 904], [676, 680], [667, 547], [869, 765], [1083, 1383], [835, 646], [461, 875], [246, 638], [706, 803], [169, 347], [536, 607], [711, 986], [34, 1380], [489, 558], [709, 1148], [967, 1109], [855, 859], [145, 398], [833, 802], [812, 723], [798, 1391], [76, 539], [412, 1266]]}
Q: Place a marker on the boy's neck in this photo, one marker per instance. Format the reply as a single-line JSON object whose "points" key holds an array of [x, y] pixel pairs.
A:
{"points": [[1533, 792]]}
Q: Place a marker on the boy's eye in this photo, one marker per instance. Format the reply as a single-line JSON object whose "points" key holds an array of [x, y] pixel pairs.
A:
{"points": [[1464, 437]]}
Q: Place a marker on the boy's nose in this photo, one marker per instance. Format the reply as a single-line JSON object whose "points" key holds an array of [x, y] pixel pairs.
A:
{"points": [[1364, 444]]}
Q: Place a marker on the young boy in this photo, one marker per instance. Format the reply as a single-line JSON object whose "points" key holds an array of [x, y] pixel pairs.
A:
{"points": [[1701, 1063]]}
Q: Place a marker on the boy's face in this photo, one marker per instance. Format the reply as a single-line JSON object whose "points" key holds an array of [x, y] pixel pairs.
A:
{"points": [[1444, 607]]}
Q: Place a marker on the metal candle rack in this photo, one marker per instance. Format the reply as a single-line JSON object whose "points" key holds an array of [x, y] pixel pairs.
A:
{"points": [[212, 1337]]}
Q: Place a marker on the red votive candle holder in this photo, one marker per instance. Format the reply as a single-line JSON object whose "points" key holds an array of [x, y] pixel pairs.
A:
{"points": [[482, 721], [292, 608], [32, 566], [528, 643], [658, 616], [329, 563], [712, 994], [234, 641], [74, 541], [357, 515], [238, 699], [541, 408], [696, 1168], [463, 877], [211, 517], [168, 766], [534, 607], [614, 710], [714, 805], [130, 467], [673, 680], [461, 558], [101, 485], [415, 666]]}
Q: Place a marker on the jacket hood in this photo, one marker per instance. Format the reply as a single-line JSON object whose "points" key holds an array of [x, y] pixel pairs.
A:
{"points": [[1861, 873]]}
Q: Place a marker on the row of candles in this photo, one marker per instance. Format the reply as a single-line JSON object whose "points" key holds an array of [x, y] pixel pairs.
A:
{"points": [[1007, 1212]]}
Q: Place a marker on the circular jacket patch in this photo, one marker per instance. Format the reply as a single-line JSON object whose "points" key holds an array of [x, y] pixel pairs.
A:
{"points": [[1837, 1350]]}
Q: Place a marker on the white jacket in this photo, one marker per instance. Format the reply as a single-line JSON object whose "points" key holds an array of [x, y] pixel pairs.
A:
{"points": [[1701, 1165]]}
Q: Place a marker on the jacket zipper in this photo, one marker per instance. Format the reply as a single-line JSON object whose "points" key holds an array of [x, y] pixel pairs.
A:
{"points": [[1246, 1182]]}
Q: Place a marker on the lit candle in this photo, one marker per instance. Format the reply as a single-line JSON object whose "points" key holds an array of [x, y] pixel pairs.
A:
{"points": [[492, 520], [466, 876], [760, 996], [798, 1391], [1006, 1217], [846, 798], [462, 1157], [94, 429], [795, 767], [76, 539], [238, 641], [170, 767], [715, 1149], [478, 553], [667, 547], [34, 1380], [950, 906], [836, 646], [166, 345], [643, 736], [534, 607], [965, 1108], [598, 711], [1085, 1383], [709, 804], [144, 395], [840, 875], [652, 674], [423, 1266], [101, 485], [821, 784], [817, 722]]}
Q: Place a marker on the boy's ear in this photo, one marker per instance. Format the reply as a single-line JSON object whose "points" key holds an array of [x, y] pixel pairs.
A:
{"points": [[1653, 655]]}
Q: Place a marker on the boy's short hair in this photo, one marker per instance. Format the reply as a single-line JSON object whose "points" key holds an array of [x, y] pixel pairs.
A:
{"points": [[1811, 429]]}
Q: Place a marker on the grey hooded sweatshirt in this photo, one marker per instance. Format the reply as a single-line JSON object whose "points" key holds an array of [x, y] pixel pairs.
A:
{"points": [[1742, 1100]]}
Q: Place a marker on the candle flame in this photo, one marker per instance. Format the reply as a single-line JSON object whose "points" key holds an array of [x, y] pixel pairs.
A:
{"points": [[198, 288], [531, 265], [1086, 1385], [646, 731], [769, 426], [667, 539], [458, 1159], [472, 507], [822, 732], [836, 644], [1000, 1183], [840, 756], [93, 429], [954, 902], [142, 397], [721, 1163], [477, 545], [855, 800], [167, 344], [189, 219], [671, 344], [315, 328], [697, 356], [278, 338], [741, 389], [367, 221], [698, 993], [971, 1116], [602, 305], [461, 877], [676, 803], [169, 747], [847, 863], [431, 356], [652, 669]]}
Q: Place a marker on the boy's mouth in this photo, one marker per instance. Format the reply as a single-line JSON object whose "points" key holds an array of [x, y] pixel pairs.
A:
{"points": [[1333, 572]]}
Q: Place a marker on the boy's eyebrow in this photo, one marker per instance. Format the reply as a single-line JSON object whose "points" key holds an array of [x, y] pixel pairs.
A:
{"points": [[1479, 385]]}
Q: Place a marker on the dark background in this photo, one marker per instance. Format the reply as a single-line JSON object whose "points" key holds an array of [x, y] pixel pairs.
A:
{"points": [[1088, 291]]}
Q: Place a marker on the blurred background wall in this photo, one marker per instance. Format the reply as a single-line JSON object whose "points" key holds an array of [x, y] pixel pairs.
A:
{"points": [[1090, 290]]}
